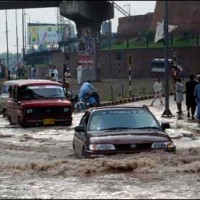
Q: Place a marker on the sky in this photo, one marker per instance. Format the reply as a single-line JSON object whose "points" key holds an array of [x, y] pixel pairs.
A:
{"points": [[49, 15]]}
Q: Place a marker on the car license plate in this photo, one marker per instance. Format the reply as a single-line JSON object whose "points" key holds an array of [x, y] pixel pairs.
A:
{"points": [[48, 121]]}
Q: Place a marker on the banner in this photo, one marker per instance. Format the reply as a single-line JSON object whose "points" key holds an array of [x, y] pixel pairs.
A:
{"points": [[49, 34], [160, 30]]}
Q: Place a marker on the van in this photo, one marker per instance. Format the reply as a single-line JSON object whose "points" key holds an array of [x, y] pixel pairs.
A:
{"points": [[34, 102], [4, 95], [158, 66]]}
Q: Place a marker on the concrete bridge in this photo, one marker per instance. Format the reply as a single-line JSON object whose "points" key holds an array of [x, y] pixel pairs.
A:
{"points": [[88, 17]]}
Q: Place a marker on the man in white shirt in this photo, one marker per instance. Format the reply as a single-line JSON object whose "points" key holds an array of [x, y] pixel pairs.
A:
{"points": [[79, 74], [33, 72], [157, 91], [55, 71]]}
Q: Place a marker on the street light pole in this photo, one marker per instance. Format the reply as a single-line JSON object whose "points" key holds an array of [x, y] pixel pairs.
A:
{"points": [[167, 112], [7, 40], [17, 36], [23, 49]]}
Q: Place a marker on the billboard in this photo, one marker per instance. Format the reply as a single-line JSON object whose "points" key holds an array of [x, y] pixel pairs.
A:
{"points": [[48, 34]]}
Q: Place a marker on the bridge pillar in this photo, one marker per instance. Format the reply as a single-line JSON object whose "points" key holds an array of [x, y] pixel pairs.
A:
{"points": [[88, 17]]}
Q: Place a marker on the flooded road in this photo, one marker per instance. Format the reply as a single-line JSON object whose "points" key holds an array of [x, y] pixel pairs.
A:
{"points": [[40, 163]]}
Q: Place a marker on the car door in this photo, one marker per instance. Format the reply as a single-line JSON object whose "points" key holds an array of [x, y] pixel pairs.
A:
{"points": [[80, 137], [12, 105]]}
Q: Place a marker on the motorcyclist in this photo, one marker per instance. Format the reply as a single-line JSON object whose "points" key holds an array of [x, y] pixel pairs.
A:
{"points": [[87, 92]]}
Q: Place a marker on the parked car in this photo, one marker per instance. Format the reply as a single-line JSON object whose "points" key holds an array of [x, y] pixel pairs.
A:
{"points": [[120, 129], [38, 102], [4, 96]]}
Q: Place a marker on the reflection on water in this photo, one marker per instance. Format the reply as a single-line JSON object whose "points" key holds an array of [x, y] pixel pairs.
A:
{"points": [[40, 163]]}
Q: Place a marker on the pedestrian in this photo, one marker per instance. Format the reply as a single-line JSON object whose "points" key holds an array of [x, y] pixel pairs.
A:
{"points": [[53, 78], [9, 77], [55, 71], [68, 78], [79, 74], [64, 68], [197, 97], [33, 72], [174, 87], [157, 91], [190, 99], [179, 95], [50, 71]]}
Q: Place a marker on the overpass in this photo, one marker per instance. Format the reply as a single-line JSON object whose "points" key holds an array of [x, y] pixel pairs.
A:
{"points": [[88, 17], [28, 4]]}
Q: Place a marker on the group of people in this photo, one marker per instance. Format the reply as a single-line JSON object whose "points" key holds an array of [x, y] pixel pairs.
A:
{"points": [[87, 91], [192, 95]]}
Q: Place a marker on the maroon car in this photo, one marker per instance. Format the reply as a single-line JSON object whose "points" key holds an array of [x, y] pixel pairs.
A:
{"points": [[38, 102], [119, 129]]}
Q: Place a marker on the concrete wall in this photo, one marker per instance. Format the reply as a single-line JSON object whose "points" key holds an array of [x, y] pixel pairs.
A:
{"points": [[129, 26], [185, 14], [112, 67]]}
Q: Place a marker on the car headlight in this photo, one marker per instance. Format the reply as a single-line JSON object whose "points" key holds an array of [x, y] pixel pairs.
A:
{"points": [[163, 145], [65, 110], [101, 147], [29, 111]]}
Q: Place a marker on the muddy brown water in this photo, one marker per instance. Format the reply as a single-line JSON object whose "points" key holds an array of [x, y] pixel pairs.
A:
{"points": [[40, 163]]}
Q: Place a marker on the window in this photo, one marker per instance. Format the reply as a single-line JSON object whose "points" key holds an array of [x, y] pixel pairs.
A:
{"points": [[137, 118]]}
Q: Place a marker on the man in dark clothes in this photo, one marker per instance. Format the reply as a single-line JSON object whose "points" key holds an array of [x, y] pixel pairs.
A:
{"points": [[190, 98]]}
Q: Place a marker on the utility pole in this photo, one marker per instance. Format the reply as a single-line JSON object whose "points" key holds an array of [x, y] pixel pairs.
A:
{"points": [[23, 49], [110, 37], [7, 41], [17, 36], [167, 112]]}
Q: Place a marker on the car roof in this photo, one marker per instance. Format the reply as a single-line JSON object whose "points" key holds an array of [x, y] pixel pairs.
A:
{"points": [[118, 107], [22, 82]]}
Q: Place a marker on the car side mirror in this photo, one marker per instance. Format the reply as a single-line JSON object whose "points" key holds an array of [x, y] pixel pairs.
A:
{"points": [[80, 128], [165, 125]]}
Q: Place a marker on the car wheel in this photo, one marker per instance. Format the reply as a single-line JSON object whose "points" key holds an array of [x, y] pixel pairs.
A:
{"points": [[79, 107], [84, 154], [10, 120], [4, 112], [70, 123], [75, 150], [21, 123]]}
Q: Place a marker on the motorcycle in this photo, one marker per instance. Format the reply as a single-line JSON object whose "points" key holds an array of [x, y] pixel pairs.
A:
{"points": [[91, 99]]}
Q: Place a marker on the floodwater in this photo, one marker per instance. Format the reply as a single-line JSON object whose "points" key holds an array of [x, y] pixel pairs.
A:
{"points": [[40, 163]]}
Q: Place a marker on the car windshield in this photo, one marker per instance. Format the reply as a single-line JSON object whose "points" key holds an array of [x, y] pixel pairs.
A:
{"points": [[42, 92], [121, 119]]}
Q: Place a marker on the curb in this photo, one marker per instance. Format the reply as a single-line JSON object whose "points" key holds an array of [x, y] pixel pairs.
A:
{"points": [[131, 99], [126, 100]]}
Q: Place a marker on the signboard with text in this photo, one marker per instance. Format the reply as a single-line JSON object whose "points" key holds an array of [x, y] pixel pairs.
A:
{"points": [[48, 34]]}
